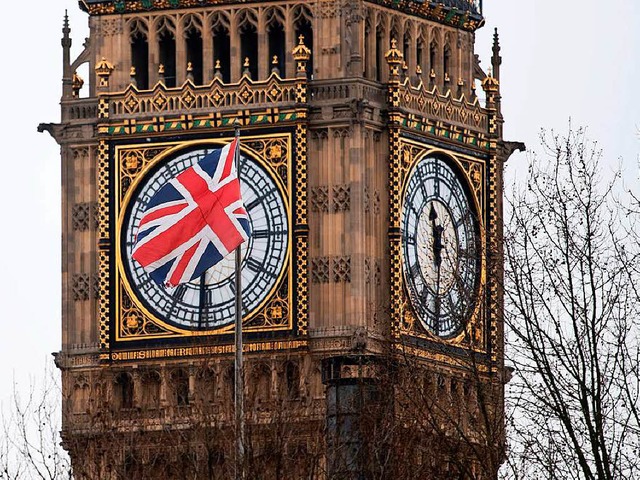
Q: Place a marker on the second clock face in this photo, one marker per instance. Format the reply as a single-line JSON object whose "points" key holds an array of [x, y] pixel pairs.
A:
{"points": [[440, 245], [208, 303]]}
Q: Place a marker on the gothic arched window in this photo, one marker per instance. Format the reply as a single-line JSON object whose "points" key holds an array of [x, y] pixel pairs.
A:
{"points": [[302, 22], [379, 52], [151, 389], [261, 384], [292, 380], [248, 28], [420, 53], [433, 55], [180, 382], [277, 50], [221, 45], [193, 42], [446, 60], [123, 391], [167, 50], [138, 37]]}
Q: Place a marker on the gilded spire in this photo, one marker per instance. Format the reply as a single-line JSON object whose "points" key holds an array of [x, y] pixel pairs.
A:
{"points": [[395, 60], [301, 54], [67, 73], [496, 59]]}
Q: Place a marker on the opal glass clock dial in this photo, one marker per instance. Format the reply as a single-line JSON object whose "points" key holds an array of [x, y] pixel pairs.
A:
{"points": [[440, 245], [208, 302]]}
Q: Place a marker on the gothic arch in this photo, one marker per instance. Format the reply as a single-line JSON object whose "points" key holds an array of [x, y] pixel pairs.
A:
{"points": [[260, 390], [302, 21], [206, 385], [139, 39], [192, 31], [165, 28], [151, 384], [274, 19], [247, 25], [123, 391], [180, 387], [219, 25], [291, 380], [301, 13]]}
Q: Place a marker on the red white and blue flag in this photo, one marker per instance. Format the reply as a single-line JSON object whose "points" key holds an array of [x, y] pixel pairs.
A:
{"points": [[193, 221]]}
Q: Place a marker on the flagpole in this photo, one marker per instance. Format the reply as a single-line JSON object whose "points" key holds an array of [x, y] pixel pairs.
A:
{"points": [[239, 382]]}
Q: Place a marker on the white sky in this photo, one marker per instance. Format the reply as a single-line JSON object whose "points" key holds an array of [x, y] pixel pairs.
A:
{"points": [[561, 59]]}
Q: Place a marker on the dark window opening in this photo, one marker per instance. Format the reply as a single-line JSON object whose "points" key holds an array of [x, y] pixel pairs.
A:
{"points": [[167, 46], [230, 384], [379, 55], [194, 54], [420, 54], [140, 61], [277, 48], [292, 374], [366, 66], [124, 391], [249, 49], [181, 386], [432, 57], [222, 53], [151, 390], [406, 49], [304, 28], [446, 58]]}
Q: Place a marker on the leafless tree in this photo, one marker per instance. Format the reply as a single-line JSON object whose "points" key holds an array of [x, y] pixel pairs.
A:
{"points": [[571, 309], [30, 440]]}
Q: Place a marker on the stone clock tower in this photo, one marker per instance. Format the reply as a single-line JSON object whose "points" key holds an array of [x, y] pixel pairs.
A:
{"points": [[372, 302]]}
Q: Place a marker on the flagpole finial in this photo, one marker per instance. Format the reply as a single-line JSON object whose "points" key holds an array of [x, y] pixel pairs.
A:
{"points": [[236, 126]]}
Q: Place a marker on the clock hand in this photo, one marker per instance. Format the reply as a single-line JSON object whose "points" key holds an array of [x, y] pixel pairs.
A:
{"points": [[437, 231], [203, 299]]}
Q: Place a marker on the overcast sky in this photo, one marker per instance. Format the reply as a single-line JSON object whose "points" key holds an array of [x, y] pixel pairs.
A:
{"points": [[561, 59]]}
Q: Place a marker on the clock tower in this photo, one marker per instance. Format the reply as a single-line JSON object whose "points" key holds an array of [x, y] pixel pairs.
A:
{"points": [[371, 170]]}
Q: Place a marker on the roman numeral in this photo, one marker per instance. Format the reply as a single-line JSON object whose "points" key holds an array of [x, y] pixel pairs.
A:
{"points": [[178, 293], [414, 270], [258, 267]]}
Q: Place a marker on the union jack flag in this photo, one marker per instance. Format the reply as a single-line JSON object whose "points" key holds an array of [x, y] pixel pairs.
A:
{"points": [[194, 221]]}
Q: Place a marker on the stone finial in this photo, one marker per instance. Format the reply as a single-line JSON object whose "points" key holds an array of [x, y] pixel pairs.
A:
{"points": [[76, 84], [217, 70], [161, 73], [132, 76], [496, 59], [67, 74], [246, 72], [301, 54], [103, 71], [394, 59], [275, 65], [460, 87], [189, 71], [432, 79]]}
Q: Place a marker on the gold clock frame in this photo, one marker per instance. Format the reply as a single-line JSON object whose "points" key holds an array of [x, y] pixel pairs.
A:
{"points": [[277, 313], [133, 320], [473, 172]]}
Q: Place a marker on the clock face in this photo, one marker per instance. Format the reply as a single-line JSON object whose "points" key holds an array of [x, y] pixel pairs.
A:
{"points": [[208, 302], [440, 245]]}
